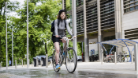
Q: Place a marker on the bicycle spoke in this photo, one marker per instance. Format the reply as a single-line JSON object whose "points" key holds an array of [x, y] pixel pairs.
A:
{"points": [[71, 60]]}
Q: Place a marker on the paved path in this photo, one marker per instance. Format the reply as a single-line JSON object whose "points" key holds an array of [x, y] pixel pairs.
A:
{"points": [[84, 70]]}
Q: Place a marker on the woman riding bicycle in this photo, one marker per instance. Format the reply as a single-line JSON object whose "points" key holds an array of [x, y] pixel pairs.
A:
{"points": [[61, 24]]}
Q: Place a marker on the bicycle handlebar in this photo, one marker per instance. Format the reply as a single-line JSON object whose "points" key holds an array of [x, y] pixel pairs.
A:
{"points": [[71, 38]]}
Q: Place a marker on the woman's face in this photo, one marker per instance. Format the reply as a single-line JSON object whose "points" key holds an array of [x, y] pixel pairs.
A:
{"points": [[62, 15]]}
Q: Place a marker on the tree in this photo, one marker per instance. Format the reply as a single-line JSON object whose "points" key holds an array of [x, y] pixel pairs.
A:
{"points": [[40, 18], [11, 6]]}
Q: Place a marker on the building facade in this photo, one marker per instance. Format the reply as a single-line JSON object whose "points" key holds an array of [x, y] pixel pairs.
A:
{"points": [[106, 20]]}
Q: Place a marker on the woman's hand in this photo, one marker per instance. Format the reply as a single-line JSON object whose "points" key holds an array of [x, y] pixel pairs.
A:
{"points": [[57, 36], [63, 39], [74, 36]]}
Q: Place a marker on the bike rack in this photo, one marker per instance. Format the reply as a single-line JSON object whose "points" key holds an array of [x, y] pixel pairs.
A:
{"points": [[123, 43]]}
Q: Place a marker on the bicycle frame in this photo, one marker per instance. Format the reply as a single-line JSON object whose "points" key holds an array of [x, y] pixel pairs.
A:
{"points": [[66, 56], [67, 43], [66, 46]]}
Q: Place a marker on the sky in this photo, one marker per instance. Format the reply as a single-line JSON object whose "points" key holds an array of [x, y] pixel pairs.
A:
{"points": [[21, 2]]}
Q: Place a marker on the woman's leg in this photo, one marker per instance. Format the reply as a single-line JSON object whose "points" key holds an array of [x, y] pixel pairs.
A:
{"points": [[64, 40], [56, 44]]}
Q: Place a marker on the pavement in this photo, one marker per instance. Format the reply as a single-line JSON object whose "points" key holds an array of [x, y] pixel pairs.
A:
{"points": [[121, 68], [84, 69]]}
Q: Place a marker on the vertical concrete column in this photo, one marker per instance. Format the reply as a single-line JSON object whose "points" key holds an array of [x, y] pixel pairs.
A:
{"points": [[122, 13], [99, 29], [136, 56], [85, 33], [63, 8], [82, 52], [12, 47], [74, 24], [82, 46], [117, 6], [6, 38], [63, 4], [27, 36], [118, 26]]}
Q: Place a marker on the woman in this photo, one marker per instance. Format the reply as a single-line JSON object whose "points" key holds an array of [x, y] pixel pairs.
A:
{"points": [[59, 33]]}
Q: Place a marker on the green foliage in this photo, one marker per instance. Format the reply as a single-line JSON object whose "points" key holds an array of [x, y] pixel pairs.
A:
{"points": [[40, 18], [11, 6], [68, 5]]}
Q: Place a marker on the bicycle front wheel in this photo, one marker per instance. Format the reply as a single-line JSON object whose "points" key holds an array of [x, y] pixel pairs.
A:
{"points": [[71, 60]]}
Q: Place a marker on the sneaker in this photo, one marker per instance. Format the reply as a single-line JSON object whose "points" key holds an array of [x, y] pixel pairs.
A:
{"points": [[57, 66], [63, 53]]}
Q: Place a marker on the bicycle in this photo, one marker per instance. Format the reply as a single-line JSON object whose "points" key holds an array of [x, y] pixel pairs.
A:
{"points": [[69, 55]]}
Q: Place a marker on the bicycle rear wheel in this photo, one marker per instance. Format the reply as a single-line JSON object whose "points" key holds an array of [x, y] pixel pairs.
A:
{"points": [[54, 62], [71, 60]]}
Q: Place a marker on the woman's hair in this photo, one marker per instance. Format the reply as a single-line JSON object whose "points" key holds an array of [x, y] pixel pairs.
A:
{"points": [[59, 13]]}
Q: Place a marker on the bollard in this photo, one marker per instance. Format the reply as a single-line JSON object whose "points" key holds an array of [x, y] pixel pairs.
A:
{"points": [[132, 57], [15, 64], [115, 57], [22, 63], [41, 61], [29, 63], [33, 64], [46, 61], [136, 56], [51, 61], [36, 62], [0, 66], [102, 58]]}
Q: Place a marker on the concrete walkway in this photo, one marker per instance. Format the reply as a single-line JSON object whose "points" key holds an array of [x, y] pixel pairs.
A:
{"points": [[121, 68]]}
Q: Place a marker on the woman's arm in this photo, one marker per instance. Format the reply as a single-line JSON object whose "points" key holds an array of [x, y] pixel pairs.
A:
{"points": [[56, 28], [68, 28]]}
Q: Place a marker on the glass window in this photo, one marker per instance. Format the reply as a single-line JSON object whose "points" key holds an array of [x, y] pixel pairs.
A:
{"points": [[131, 1], [82, 2], [126, 3], [131, 5], [126, 0], [127, 10], [136, 7], [126, 6], [131, 9], [136, 3], [77, 3]]}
